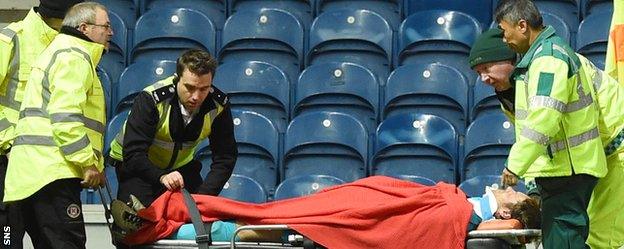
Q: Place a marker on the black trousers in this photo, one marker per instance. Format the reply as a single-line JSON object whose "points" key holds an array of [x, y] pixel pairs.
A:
{"points": [[10, 216], [53, 216], [147, 192]]}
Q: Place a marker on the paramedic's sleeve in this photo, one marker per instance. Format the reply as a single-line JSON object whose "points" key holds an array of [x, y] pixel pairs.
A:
{"points": [[140, 131], [224, 153], [70, 79], [548, 83]]}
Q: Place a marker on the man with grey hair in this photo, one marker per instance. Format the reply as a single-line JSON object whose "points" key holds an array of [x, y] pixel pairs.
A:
{"points": [[556, 118], [59, 136]]}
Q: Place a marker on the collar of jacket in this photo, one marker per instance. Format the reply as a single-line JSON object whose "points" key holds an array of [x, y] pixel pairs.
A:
{"points": [[94, 49], [34, 24], [548, 32]]}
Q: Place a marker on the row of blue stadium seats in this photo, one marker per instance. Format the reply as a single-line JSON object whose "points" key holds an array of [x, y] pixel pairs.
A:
{"points": [[244, 188], [345, 87], [394, 11], [336, 144], [358, 36]]}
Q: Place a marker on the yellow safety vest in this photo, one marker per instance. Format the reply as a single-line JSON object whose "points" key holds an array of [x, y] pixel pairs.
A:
{"points": [[62, 118], [555, 114], [20, 44], [164, 152]]}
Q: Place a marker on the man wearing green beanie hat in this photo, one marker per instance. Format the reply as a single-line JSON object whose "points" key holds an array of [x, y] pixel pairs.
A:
{"points": [[494, 61]]}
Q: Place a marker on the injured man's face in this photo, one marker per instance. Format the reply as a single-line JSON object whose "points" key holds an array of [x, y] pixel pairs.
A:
{"points": [[507, 199]]}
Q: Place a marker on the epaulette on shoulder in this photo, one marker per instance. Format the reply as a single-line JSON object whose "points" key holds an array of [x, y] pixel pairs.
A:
{"points": [[163, 93], [7, 34], [219, 96]]}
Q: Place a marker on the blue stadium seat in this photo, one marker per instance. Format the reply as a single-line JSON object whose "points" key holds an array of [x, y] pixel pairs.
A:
{"points": [[304, 185], [567, 10], [428, 89], [479, 9], [488, 141], [113, 128], [438, 36], [589, 7], [416, 144], [325, 143], [475, 187], [213, 9], [268, 35], [302, 9], [127, 10], [138, 76], [359, 36], [114, 60], [415, 178], [256, 86], [593, 35], [243, 188], [390, 10], [484, 100], [258, 156], [164, 34], [341, 87], [107, 86]]}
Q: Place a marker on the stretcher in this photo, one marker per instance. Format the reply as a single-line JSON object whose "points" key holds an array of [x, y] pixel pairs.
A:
{"points": [[477, 239]]}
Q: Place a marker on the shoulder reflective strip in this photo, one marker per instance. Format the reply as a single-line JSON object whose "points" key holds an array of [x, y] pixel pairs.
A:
{"points": [[535, 136], [574, 141], [597, 79], [33, 112], [5, 124], [8, 32], [97, 153], [45, 93], [76, 117], [213, 114], [562, 50], [119, 137], [8, 100], [34, 140], [71, 148], [615, 143], [520, 114], [160, 84]]}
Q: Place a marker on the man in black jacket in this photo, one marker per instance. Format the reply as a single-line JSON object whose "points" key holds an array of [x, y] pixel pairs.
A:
{"points": [[155, 149]]}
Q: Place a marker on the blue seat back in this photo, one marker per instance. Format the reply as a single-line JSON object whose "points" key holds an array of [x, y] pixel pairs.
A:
{"points": [[258, 152], [389, 10], [488, 141], [302, 9], [327, 143], [256, 86], [429, 89], [114, 127], [359, 36], [475, 187], [304, 185], [107, 86], [243, 188], [127, 10], [416, 144], [589, 7], [269, 35], [138, 76], [213, 9], [593, 35], [438, 36], [479, 9], [164, 34], [561, 27], [414, 178], [567, 10], [341, 87]]}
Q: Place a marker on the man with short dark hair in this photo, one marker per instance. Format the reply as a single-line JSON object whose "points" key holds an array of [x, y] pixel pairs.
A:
{"points": [[556, 117], [155, 150]]}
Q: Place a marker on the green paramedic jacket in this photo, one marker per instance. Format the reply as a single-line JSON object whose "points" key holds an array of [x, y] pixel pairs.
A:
{"points": [[20, 44], [555, 114], [62, 118]]}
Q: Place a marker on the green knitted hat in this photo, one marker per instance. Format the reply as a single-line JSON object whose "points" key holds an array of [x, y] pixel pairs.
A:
{"points": [[490, 47]]}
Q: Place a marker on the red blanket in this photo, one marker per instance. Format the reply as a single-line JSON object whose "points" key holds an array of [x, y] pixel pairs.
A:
{"points": [[375, 212]]}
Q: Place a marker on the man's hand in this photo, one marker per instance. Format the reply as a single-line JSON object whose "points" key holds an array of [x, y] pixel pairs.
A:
{"points": [[92, 177], [508, 178], [172, 181]]}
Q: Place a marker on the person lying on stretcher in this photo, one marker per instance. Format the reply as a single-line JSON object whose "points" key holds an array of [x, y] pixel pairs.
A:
{"points": [[363, 214]]}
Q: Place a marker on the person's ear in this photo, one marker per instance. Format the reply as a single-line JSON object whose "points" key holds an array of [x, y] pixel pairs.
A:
{"points": [[505, 214], [522, 26], [82, 27]]}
